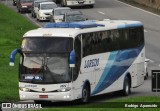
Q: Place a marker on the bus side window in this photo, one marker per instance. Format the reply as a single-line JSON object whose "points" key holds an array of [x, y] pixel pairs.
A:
{"points": [[140, 37], [77, 48], [123, 39], [136, 37], [87, 44]]}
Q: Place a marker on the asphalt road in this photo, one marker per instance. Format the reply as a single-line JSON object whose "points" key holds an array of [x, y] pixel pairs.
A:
{"points": [[113, 9]]}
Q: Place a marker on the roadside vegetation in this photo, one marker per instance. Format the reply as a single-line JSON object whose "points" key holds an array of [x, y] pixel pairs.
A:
{"points": [[133, 3], [112, 104], [12, 28]]}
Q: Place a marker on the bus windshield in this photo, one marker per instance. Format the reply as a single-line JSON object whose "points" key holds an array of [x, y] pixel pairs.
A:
{"points": [[47, 45], [46, 60]]}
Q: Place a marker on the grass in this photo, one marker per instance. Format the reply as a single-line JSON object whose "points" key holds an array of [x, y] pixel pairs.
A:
{"points": [[133, 3], [12, 28], [111, 103]]}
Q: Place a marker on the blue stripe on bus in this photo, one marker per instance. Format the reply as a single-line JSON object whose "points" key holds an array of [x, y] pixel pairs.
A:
{"points": [[118, 63], [129, 25]]}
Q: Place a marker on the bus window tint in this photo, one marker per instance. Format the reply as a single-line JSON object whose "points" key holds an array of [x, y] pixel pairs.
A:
{"points": [[77, 47], [112, 40]]}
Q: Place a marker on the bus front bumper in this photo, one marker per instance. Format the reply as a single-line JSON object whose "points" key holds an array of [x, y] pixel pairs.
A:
{"points": [[54, 96]]}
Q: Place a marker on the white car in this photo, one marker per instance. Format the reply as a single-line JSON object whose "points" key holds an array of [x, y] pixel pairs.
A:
{"points": [[35, 4], [58, 14], [45, 10]]}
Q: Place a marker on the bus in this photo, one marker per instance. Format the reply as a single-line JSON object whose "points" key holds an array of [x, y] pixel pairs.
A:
{"points": [[89, 3], [77, 60]]}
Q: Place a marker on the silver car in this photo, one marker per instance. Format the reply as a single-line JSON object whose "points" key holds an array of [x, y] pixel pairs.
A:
{"points": [[35, 4], [74, 16], [58, 14]]}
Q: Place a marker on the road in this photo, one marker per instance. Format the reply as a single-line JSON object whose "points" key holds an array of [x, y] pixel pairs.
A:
{"points": [[113, 9]]}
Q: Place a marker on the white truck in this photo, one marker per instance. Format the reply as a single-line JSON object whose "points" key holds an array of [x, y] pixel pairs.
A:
{"points": [[89, 3]]}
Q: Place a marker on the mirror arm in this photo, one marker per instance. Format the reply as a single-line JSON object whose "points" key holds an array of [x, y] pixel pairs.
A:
{"points": [[72, 59], [13, 54]]}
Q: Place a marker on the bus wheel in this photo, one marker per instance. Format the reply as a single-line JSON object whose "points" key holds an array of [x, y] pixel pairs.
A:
{"points": [[126, 87], [85, 94]]}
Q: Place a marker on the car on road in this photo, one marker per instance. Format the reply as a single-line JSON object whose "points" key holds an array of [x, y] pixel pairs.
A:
{"points": [[45, 10], [74, 16], [24, 5], [58, 14], [35, 4], [14, 2]]}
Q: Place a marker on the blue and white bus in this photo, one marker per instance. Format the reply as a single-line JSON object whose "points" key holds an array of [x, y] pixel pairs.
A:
{"points": [[69, 61]]}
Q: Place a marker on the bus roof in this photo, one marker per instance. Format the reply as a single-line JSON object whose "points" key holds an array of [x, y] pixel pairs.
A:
{"points": [[74, 31]]}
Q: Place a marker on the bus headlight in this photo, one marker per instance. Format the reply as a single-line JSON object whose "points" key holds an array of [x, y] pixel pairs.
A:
{"points": [[24, 89], [64, 89]]}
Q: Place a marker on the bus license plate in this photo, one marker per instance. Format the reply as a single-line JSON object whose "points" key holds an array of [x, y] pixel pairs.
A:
{"points": [[43, 96]]}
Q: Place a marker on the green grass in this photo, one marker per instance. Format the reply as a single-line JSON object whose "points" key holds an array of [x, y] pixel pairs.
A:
{"points": [[101, 106], [12, 28]]}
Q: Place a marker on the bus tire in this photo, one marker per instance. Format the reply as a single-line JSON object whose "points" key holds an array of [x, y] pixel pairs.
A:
{"points": [[126, 87], [91, 6], [146, 76], [85, 94]]}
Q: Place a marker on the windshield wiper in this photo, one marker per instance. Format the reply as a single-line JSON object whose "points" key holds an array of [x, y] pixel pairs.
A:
{"points": [[43, 69]]}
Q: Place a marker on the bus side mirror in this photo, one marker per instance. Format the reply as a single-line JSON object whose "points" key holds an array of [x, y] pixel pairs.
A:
{"points": [[72, 59], [147, 60], [12, 56]]}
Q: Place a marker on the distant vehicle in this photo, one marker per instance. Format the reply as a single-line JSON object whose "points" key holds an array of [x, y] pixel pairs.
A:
{"points": [[24, 5], [35, 4], [45, 10], [74, 16], [69, 61], [146, 68], [68, 3], [17, 1], [14, 2], [58, 14]]}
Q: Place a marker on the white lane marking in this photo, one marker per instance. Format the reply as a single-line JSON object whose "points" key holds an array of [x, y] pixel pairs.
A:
{"points": [[101, 12], [138, 8], [145, 30], [33, 21]]}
